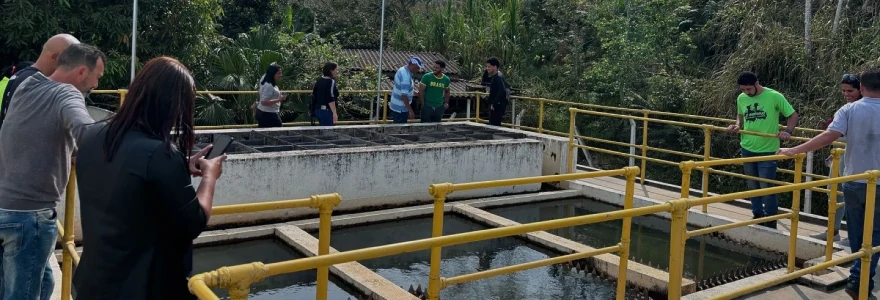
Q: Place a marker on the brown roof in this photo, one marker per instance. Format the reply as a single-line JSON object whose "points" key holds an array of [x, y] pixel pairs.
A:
{"points": [[455, 87], [393, 60]]}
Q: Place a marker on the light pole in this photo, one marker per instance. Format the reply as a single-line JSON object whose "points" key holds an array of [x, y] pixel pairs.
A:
{"points": [[379, 75], [134, 18]]}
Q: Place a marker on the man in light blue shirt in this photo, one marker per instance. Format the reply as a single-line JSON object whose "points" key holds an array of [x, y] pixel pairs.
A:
{"points": [[859, 123], [402, 94]]}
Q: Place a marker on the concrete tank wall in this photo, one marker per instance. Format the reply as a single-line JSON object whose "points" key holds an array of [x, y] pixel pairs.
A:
{"points": [[379, 176]]}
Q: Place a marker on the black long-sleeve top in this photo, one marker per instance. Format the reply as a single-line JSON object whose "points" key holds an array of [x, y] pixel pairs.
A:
{"points": [[140, 215]]}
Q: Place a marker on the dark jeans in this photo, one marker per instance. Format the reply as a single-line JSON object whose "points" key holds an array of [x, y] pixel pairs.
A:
{"points": [[399, 117], [325, 117], [27, 238], [762, 206], [432, 114], [268, 119], [496, 114], [854, 196]]}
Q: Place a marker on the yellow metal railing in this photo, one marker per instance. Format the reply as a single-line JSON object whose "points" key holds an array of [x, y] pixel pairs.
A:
{"points": [[237, 288], [241, 276], [707, 129], [679, 233], [442, 190]]}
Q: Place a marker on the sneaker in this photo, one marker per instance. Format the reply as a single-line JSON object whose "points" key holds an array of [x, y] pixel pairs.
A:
{"points": [[821, 236]]}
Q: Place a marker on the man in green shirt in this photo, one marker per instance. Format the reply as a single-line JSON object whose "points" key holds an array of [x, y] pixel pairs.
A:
{"points": [[434, 93], [758, 109]]}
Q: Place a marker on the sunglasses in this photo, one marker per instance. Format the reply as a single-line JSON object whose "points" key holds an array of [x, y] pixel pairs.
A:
{"points": [[850, 78]]}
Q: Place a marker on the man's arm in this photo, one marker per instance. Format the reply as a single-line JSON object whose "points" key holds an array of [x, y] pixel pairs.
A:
{"points": [[446, 94], [821, 140], [738, 126], [74, 114], [422, 94], [789, 127]]}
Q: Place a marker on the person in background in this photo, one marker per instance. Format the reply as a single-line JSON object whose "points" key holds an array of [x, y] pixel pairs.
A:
{"points": [[135, 169], [46, 64], [7, 75], [857, 121], [324, 96], [402, 94], [270, 98], [46, 118], [849, 87], [434, 93], [758, 110], [498, 92]]}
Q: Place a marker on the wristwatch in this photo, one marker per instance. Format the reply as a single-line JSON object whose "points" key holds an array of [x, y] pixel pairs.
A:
{"points": [[789, 131]]}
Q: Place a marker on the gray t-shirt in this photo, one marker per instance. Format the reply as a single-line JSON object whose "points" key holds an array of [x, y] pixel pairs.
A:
{"points": [[269, 92], [858, 121], [44, 120]]}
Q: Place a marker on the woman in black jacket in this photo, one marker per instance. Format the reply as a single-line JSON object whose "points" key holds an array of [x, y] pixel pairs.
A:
{"points": [[140, 212]]}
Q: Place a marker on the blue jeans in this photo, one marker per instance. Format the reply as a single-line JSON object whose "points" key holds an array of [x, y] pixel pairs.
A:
{"points": [[854, 196], [325, 117], [762, 206], [27, 238], [399, 117]]}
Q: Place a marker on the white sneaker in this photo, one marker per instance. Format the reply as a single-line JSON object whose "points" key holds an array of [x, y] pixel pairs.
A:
{"points": [[821, 236]]}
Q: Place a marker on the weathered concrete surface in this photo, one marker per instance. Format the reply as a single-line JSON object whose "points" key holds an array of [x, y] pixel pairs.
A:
{"points": [[365, 280], [638, 274], [555, 158], [765, 238], [370, 177]]}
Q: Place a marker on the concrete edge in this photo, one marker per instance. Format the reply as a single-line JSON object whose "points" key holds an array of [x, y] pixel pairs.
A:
{"points": [[638, 274], [353, 273], [761, 237], [745, 282], [428, 209], [828, 279]]}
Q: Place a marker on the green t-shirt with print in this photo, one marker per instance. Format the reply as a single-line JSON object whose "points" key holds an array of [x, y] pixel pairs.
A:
{"points": [[761, 114], [434, 89]]}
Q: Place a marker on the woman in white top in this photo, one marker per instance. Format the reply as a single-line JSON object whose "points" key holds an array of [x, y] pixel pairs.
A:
{"points": [[270, 98]]}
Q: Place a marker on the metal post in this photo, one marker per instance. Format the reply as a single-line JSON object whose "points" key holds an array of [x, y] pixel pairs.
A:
{"points": [[795, 212], [676, 247], [468, 109], [808, 194], [439, 191], [512, 110], [631, 173], [707, 155], [644, 145], [632, 142], [832, 204], [122, 94], [385, 108], [66, 256], [134, 20], [381, 54], [477, 108], [572, 161], [540, 115], [686, 169], [323, 249], [870, 199]]}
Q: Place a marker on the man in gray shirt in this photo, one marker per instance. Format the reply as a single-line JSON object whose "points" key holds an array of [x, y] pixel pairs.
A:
{"points": [[38, 138], [857, 121]]}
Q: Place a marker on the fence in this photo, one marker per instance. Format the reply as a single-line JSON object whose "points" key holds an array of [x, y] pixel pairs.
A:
{"points": [[237, 288]]}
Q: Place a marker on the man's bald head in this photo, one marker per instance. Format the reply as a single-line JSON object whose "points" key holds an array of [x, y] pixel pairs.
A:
{"points": [[48, 61]]}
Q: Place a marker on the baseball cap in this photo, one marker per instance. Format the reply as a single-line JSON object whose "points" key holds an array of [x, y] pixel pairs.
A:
{"points": [[415, 60]]}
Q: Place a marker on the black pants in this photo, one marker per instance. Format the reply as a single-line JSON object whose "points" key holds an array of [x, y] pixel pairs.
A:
{"points": [[268, 119], [496, 114], [432, 114]]}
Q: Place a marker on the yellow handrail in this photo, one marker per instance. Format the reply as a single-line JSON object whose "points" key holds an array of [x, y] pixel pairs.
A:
{"points": [[679, 233], [442, 190], [199, 283]]}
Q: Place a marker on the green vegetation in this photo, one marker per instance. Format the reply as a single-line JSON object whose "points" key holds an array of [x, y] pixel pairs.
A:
{"points": [[671, 55]]}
